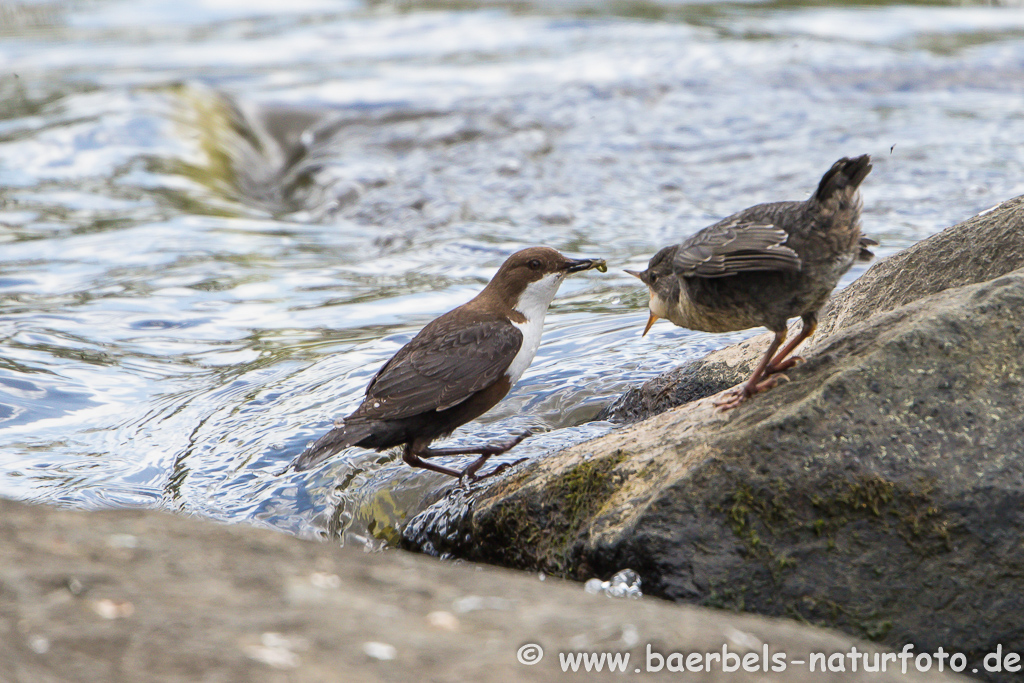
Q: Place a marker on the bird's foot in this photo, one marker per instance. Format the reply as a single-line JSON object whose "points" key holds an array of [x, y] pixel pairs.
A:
{"points": [[784, 365], [735, 397], [505, 446], [470, 473], [732, 398], [473, 478]]}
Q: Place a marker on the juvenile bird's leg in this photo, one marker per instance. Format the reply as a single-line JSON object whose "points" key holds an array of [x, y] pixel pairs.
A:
{"points": [[755, 383], [417, 450], [781, 363]]}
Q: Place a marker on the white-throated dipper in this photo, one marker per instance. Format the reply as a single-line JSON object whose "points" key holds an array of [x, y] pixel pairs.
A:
{"points": [[457, 368], [762, 266]]}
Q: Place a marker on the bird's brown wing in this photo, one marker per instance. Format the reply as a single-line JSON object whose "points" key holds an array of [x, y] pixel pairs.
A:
{"points": [[442, 366], [735, 246]]}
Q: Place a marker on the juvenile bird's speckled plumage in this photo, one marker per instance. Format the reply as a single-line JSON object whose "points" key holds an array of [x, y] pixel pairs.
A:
{"points": [[764, 265]]}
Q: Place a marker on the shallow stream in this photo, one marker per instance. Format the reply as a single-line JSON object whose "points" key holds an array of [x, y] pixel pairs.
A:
{"points": [[218, 219]]}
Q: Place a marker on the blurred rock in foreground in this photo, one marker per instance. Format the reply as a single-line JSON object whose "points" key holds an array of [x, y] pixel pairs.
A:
{"points": [[145, 596]]}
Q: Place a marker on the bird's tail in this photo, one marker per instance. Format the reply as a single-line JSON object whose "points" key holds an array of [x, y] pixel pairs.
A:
{"points": [[866, 254], [841, 181], [330, 443]]}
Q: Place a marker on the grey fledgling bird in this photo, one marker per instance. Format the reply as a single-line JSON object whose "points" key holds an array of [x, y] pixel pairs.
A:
{"points": [[762, 266]]}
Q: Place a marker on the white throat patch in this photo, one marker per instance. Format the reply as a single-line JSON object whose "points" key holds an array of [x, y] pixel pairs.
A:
{"points": [[533, 304], [658, 306]]}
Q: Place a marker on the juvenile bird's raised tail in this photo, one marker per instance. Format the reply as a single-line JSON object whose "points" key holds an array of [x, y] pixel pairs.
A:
{"points": [[866, 254], [841, 181], [330, 443]]}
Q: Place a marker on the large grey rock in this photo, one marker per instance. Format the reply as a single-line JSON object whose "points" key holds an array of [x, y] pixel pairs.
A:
{"points": [[880, 491], [977, 250], [144, 596]]}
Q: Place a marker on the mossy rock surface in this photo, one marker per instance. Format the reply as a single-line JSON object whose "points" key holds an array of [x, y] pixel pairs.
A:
{"points": [[880, 491]]}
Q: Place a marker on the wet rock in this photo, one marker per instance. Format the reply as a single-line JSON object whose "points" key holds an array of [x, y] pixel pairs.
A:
{"points": [[878, 492], [715, 372], [979, 249], [144, 596]]}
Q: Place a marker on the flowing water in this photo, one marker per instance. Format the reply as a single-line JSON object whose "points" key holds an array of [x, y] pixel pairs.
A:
{"points": [[218, 218]]}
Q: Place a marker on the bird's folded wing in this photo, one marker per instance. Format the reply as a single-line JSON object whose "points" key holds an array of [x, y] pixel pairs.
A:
{"points": [[445, 364], [733, 247]]}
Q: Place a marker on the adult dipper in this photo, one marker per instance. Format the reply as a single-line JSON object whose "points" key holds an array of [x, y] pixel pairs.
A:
{"points": [[457, 368], [762, 266]]}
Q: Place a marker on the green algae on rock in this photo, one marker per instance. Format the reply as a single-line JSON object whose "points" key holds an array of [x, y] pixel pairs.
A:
{"points": [[876, 492]]}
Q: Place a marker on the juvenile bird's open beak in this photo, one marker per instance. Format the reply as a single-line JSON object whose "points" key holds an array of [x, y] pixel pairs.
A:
{"points": [[650, 321], [577, 265]]}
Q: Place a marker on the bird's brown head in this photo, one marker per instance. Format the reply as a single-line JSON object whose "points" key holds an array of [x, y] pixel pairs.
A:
{"points": [[662, 284], [528, 279]]}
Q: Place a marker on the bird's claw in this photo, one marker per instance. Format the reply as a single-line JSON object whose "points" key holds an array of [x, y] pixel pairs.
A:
{"points": [[505, 466], [473, 478], [734, 397], [782, 366]]}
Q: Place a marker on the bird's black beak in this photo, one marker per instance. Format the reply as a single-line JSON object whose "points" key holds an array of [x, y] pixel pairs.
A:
{"points": [[578, 265]]}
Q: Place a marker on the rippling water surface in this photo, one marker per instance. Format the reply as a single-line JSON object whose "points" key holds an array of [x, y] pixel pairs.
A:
{"points": [[217, 219]]}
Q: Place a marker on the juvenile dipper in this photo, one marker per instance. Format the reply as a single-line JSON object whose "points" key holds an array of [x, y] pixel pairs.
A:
{"points": [[457, 368], [762, 266]]}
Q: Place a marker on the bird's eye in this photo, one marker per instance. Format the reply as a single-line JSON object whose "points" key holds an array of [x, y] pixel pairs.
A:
{"points": [[654, 277], [534, 264]]}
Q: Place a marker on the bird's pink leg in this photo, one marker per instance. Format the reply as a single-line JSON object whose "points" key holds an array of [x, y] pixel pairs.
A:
{"points": [[756, 383], [781, 363]]}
